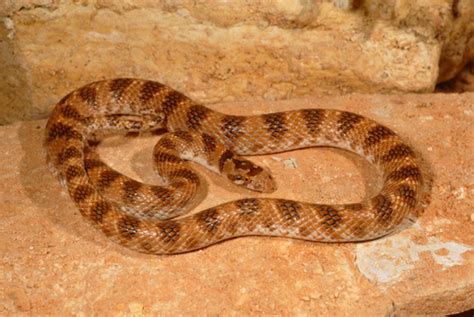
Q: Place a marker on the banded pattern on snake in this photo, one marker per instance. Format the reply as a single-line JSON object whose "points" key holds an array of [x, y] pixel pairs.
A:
{"points": [[140, 216]]}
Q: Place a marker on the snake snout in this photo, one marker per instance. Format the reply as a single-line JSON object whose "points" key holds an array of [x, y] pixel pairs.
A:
{"points": [[263, 182]]}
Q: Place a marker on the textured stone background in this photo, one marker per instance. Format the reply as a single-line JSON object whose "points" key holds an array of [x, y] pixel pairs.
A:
{"points": [[233, 50]]}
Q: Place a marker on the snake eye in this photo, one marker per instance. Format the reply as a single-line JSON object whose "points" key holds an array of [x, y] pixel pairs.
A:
{"points": [[237, 179]]}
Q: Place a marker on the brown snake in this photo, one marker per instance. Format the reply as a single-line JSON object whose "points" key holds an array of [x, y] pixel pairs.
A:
{"points": [[137, 215]]}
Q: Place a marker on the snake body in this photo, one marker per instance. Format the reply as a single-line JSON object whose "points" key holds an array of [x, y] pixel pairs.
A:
{"points": [[140, 216]]}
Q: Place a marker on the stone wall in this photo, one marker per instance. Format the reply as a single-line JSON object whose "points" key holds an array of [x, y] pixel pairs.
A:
{"points": [[234, 50]]}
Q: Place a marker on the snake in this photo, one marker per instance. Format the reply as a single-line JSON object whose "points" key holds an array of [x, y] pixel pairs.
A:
{"points": [[155, 219]]}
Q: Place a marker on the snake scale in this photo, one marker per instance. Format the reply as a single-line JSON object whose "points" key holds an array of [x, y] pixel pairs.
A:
{"points": [[143, 217]]}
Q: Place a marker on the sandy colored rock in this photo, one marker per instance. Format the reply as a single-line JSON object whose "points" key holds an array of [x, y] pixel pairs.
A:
{"points": [[53, 262], [225, 51]]}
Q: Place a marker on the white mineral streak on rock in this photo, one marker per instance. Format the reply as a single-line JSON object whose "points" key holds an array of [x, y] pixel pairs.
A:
{"points": [[385, 260]]}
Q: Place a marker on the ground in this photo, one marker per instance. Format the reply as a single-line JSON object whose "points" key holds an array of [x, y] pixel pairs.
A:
{"points": [[53, 262]]}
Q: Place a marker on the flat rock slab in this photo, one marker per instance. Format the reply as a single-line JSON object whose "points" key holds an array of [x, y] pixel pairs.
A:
{"points": [[53, 262]]}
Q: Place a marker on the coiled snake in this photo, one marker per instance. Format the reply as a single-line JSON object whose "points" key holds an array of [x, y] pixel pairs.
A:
{"points": [[139, 216]]}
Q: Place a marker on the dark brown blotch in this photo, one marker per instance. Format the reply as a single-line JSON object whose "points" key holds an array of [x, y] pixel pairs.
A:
{"points": [[210, 143], [383, 208], [59, 130], [128, 227], [171, 101], [227, 155], [405, 172], [397, 152], [331, 217], [70, 112], [90, 164], [248, 206], [313, 119], [169, 231], [275, 123], [107, 177], [68, 153], [99, 210], [233, 127], [407, 195], [210, 219], [118, 86], [187, 174], [289, 209], [347, 121], [196, 115], [376, 135], [73, 171], [185, 136], [89, 95], [167, 144], [82, 192], [149, 89], [131, 189], [164, 157]]}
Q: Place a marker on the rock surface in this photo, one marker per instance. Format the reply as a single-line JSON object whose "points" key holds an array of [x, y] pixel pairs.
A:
{"points": [[55, 263], [232, 50]]}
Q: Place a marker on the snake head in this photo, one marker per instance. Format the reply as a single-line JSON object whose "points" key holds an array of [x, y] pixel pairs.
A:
{"points": [[251, 176]]}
